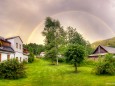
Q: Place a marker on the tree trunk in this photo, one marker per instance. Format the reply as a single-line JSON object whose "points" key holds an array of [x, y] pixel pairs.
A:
{"points": [[75, 64], [57, 60], [52, 61]]}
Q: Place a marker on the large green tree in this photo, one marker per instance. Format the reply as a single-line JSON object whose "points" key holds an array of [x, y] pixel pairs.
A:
{"points": [[52, 37], [75, 54]]}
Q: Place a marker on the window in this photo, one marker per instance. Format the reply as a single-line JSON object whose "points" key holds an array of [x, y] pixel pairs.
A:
{"points": [[8, 57], [0, 57], [16, 45], [20, 46], [20, 59]]}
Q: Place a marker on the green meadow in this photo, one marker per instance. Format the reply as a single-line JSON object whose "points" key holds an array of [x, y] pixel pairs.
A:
{"points": [[41, 73]]}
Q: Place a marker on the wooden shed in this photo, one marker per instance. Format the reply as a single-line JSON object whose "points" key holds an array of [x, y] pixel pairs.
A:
{"points": [[101, 51]]}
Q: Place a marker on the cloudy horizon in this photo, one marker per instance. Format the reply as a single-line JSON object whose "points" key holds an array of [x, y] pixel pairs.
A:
{"points": [[94, 19]]}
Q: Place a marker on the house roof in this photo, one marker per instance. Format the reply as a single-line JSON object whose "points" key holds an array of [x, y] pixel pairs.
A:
{"points": [[97, 54], [3, 39], [14, 38], [109, 49], [106, 48], [6, 48]]}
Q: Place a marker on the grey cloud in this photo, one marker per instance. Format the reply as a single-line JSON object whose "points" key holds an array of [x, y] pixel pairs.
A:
{"points": [[25, 15]]}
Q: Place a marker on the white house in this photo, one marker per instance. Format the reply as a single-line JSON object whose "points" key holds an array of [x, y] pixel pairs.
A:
{"points": [[42, 54], [12, 48]]}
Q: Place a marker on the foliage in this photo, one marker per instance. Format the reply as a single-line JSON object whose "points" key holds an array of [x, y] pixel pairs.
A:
{"points": [[73, 37], [75, 53], [89, 62], [107, 42], [34, 48], [31, 58], [106, 66], [12, 69], [54, 37], [61, 59]]}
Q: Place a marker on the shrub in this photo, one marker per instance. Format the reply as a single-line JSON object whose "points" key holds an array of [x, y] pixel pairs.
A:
{"points": [[89, 62], [106, 66], [25, 62], [12, 69], [62, 59], [31, 58]]}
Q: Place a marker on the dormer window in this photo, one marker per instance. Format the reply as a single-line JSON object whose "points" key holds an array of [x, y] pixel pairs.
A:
{"points": [[20, 46], [16, 45]]}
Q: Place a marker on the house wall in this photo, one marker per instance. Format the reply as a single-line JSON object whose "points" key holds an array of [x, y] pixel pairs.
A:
{"points": [[13, 44], [18, 51], [4, 56], [19, 55], [25, 57]]}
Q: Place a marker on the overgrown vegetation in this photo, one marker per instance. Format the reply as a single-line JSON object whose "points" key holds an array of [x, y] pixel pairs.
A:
{"points": [[31, 58], [106, 66], [12, 69]]}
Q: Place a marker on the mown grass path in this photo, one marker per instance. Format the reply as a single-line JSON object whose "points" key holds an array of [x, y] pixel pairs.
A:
{"points": [[41, 73]]}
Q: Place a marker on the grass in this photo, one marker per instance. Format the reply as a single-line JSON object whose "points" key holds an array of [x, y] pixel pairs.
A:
{"points": [[41, 73]]}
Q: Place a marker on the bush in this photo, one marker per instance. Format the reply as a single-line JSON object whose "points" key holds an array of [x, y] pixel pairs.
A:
{"points": [[62, 59], [106, 66], [25, 62], [89, 62], [31, 58], [12, 69]]}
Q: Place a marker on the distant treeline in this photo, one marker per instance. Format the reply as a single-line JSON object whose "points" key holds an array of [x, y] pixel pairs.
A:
{"points": [[34, 48]]}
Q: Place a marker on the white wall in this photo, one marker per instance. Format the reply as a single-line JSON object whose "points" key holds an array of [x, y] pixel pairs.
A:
{"points": [[4, 56], [25, 58], [13, 44], [19, 55]]}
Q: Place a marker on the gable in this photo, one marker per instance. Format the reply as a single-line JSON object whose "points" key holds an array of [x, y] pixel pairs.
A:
{"points": [[100, 49], [15, 38]]}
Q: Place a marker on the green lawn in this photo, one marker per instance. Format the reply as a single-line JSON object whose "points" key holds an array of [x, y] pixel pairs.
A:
{"points": [[41, 73]]}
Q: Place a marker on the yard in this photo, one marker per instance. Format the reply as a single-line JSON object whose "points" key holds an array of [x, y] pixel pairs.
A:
{"points": [[41, 73]]}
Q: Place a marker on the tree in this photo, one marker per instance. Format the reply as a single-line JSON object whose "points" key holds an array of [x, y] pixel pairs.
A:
{"points": [[34, 48], [50, 32], [75, 53], [73, 37], [60, 41]]}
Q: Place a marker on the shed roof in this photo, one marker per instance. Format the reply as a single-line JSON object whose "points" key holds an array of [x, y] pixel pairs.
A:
{"points": [[109, 49]]}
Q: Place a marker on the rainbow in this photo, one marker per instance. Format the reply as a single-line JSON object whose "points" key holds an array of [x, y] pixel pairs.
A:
{"points": [[40, 24]]}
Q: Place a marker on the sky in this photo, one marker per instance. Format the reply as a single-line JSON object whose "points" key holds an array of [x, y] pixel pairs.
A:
{"points": [[94, 19]]}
